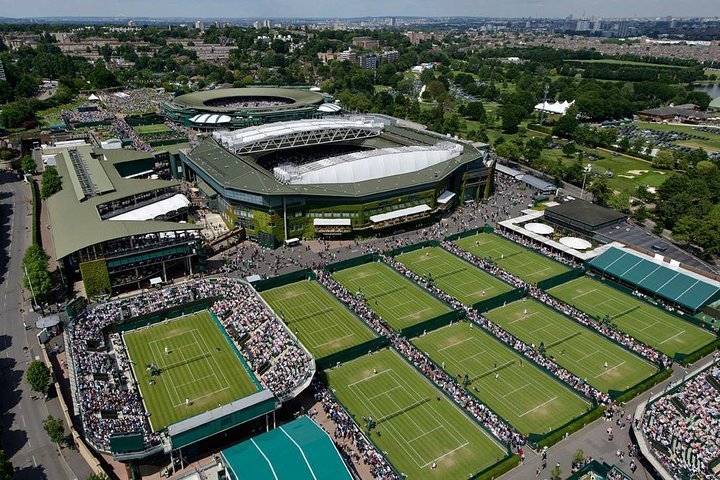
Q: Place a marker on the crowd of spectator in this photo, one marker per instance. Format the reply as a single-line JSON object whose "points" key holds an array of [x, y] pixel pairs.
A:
{"points": [[107, 393], [122, 129], [683, 426], [604, 329], [445, 382], [530, 351], [248, 102], [136, 101], [347, 431], [86, 114]]}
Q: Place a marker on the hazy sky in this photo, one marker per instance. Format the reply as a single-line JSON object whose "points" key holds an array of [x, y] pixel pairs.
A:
{"points": [[357, 8]]}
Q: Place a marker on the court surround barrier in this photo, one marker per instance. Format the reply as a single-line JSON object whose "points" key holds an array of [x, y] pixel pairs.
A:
{"points": [[503, 465], [279, 281], [140, 321], [413, 330], [681, 358]]}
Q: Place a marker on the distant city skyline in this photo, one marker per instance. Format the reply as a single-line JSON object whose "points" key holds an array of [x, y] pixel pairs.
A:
{"points": [[334, 8]]}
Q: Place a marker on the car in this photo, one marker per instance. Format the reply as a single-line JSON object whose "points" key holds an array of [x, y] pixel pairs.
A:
{"points": [[658, 248]]}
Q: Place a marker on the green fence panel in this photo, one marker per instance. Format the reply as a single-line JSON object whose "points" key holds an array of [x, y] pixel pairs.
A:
{"points": [[469, 233], [621, 396], [128, 324], [279, 281], [432, 324], [351, 262], [551, 438], [500, 300], [351, 353], [559, 279], [413, 247]]}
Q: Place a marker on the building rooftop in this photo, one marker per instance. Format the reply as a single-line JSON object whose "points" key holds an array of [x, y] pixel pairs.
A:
{"points": [[76, 223], [579, 211], [205, 100], [242, 172]]}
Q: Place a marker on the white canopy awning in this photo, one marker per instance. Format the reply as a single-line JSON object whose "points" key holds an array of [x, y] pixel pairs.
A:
{"points": [[576, 243], [403, 212], [445, 197], [539, 228], [331, 222], [154, 210]]}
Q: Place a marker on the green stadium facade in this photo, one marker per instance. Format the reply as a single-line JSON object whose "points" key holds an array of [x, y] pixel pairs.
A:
{"points": [[333, 176], [113, 225], [243, 107]]}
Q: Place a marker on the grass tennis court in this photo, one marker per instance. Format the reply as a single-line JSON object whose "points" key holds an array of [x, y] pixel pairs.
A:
{"points": [[391, 295], [645, 322], [200, 365], [152, 128], [319, 320], [521, 393], [417, 425], [574, 347], [453, 275], [515, 259]]}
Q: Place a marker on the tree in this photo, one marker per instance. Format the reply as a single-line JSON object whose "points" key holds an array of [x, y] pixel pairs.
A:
{"points": [[569, 149], [556, 473], [508, 150], [55, 429], [38, 376], [50, 183], [568, 123], [27, 164], [511, 116], [664, 159], [475, 111], [6, 467], [600, 190], [37, 271], [98, 476]]}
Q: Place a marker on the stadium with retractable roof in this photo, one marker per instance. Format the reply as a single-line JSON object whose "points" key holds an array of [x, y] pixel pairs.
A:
{"points": [[242, 107], [336, 175]]}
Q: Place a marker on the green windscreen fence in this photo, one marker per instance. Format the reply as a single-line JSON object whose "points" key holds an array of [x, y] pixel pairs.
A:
{"points": [[132, 442], [292, 277], [432, 324], [128, 324], [351, 353], [559, 279], [351, 262]]}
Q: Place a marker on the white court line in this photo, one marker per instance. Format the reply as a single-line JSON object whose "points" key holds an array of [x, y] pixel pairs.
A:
{"points": [[371, 376], [426, 433], [609, 369], [524, 317], [455, 344], [384, 393], [516, 390], [541, 405], [584, 293], [446, 454], [668, 339]]}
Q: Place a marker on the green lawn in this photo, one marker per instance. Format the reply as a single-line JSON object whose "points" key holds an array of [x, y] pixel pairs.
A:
{"points": [[453, 275], [516, 259], [417, 425], [574, 347], [649, 324], [200, 366], [391, 295], [628, 62], [152, 128], [518, 391], [318, 319]]}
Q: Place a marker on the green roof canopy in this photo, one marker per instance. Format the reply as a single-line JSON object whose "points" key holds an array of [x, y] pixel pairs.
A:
{"points": [[669, 281], [299, 450]]}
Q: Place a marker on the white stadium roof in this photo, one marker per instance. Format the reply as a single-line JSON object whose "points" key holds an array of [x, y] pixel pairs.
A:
{"points": [[368, 164], [554, 107], [210, 119], [157, 209], [329, 108], [294, 133]]}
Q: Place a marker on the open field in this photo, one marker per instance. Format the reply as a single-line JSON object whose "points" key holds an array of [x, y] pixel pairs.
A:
{"points": [[627, 62], [574, 347], [453, 275], [516, 259], [391, 295], [645, 322], [417, 425], [518, 391], [152, 128], [200, 366], [318, 319]]}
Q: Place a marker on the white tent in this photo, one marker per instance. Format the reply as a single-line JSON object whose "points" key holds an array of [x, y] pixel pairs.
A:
{"points": [[93, 97], [554, 107]]}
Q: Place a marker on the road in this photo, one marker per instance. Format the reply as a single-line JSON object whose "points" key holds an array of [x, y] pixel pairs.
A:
{"points": [[23, 438]]}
